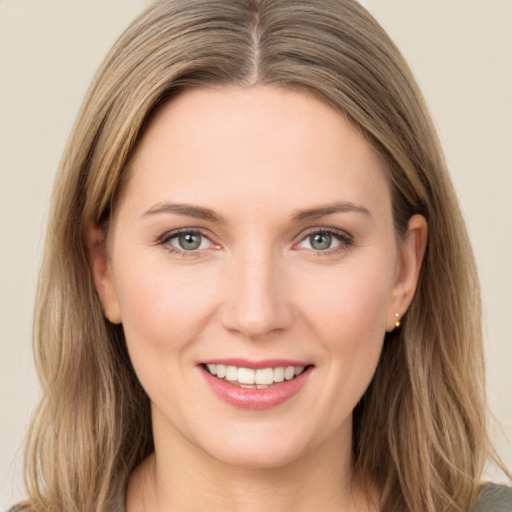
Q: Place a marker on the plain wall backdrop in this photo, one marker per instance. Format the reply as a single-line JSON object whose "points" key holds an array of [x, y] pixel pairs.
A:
{"points": [[461, 54]]}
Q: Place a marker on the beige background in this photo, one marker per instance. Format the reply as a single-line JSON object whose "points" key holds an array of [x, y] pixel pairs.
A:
{"points": [[461, 53]]}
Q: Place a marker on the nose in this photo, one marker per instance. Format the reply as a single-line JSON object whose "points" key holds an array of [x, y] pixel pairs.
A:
{"points": [[256, 304]]}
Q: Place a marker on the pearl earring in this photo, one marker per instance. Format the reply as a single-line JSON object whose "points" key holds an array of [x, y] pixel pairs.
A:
{"points": [[397, 322]]}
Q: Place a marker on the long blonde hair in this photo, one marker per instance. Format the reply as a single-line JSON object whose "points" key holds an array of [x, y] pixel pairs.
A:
{"points": [[419, 431]]}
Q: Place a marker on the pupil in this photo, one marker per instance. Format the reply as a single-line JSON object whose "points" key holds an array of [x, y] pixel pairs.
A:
{"points": [[321, 241], [190, 241]]}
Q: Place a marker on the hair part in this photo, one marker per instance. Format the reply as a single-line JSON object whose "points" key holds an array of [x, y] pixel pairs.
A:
{"points": [[419, 431]]}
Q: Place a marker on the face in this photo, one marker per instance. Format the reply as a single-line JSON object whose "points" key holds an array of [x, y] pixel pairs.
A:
{"points": [[254, 241]]}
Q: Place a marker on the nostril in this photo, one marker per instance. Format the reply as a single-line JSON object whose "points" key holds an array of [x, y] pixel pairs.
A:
{"points": [[256, 319]]}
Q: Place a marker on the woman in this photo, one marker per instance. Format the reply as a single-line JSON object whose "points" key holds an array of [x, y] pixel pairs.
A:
{"points": [[258, 288]]}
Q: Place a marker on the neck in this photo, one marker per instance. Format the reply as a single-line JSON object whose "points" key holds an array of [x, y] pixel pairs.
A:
{"points": [[179, 475]]}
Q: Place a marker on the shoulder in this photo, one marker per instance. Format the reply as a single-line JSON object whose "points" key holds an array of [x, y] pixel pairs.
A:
{"points": [[494, 498]]}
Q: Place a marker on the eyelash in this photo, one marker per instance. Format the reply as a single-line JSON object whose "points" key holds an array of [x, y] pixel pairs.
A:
{"points": [[345, 240]]}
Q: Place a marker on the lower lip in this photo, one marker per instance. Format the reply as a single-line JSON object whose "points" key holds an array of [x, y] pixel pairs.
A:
{"points": [[253, 398]]}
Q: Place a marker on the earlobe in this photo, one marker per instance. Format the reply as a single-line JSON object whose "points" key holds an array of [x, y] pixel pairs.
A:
{"points": [[412, 251], [102, 274]]}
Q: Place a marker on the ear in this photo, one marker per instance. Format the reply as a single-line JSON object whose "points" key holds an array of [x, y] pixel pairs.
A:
{"points": [[96, 240], [411, 253]]}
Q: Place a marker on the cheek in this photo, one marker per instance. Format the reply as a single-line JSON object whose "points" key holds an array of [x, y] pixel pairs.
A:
{"points": [[348, 304], [162, 307], [347, 312]]}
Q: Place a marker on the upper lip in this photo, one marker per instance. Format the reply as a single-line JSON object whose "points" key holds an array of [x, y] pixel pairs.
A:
{"points": [[255, 365]]}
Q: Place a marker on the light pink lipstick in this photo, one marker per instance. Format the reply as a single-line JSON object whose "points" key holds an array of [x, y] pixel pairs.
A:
{"points": [[254, 398]]}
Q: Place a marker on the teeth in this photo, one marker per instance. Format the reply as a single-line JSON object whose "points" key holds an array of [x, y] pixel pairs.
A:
{"points": [[249, 378], [264, 376], [221, 370], [278, 374], [289, 373], [231, 373], [246, 376]]}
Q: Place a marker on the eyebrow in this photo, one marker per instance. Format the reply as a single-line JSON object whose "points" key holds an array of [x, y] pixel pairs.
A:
{"points": [[321, 211], [188, 210], [199, 212]]}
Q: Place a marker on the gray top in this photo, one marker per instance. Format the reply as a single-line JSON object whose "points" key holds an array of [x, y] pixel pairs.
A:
{"points": [[494, 498]]}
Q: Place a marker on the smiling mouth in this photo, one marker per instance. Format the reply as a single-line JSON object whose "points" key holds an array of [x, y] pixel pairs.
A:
{"points": [[261, 378]]}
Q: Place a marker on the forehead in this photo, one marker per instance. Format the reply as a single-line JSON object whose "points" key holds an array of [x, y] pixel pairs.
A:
{"points": [[259, 145]]}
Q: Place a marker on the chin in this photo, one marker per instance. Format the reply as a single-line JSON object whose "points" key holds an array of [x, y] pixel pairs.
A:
{"points": [[260, 449], [257, 459]]}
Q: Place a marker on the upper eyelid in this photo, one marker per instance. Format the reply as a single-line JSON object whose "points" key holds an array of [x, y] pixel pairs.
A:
{"points": [[325, 229], [178, 231]]}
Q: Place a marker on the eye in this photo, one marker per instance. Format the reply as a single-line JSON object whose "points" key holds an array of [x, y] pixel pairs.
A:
{"points": [[326, 240], [321, 241], [186, 241]]}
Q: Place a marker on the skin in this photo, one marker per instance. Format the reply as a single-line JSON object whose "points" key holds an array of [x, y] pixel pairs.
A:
{"points": [[256, 288]]}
